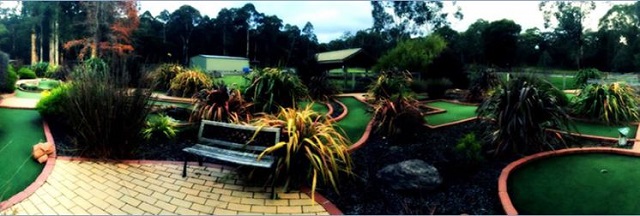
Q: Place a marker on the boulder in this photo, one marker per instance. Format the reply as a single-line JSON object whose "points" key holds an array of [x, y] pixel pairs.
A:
{"points": [[410, 175]]}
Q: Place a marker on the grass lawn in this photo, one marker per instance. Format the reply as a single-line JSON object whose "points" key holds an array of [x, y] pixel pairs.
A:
{"points": [[356, 121], [350, 70], [557, 82], [455, 112], [19, 131], [593, 184], [230, 79], [315, 106], [596, 129]]}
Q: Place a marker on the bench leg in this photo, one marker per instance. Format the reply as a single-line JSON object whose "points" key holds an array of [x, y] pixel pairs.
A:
{"points": [[273, 183], [184, 168]]}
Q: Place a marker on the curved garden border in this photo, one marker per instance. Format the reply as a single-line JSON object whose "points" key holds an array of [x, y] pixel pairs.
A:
{"points": [[46, 171], [505, 200], [344, 113], [438, 110]]}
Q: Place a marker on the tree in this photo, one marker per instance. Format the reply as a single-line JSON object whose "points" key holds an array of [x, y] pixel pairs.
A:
{"points": [[473, 43], [570, 17], [500, 40], [413, 55], [181, 24]]}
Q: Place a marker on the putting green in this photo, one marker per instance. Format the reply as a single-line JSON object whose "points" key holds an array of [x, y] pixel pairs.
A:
{"points": [[594, 184], [30, 95], [455, 112], [355, 122], [315, 106], [19, 131], [597, 129]]}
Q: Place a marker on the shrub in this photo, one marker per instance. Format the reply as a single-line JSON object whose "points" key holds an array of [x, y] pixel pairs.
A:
{"points": [[188, 83], [160, 125], [470, 148], [105, 116], [398, 116], [585, 75], [312, 147], [162, 75], [53, 102], [389, 83], [26, 73], [522, 109], [58, 72], [482, 81], [220, 104], [40, 69], [613, 103], [271, 88], [437, 87], [321, 88], [10, 81]]}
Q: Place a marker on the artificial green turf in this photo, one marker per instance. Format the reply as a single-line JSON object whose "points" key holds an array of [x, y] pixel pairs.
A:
{"points": [[315, 106], [455, 112], [46, 84], [599, 129], [355, 122], [19, 131], [30, 95], [595, 184]]}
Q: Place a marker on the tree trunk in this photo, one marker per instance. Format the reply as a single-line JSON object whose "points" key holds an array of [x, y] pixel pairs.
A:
{"points": [[224, 40], [56, 43], [247, 43], [34, 53], [41, 45], [52, 55]]}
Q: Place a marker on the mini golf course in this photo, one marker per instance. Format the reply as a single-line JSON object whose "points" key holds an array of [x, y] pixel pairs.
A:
{"points": [[28, 95], [598, 129], [315, 106], [454, 112], [355, 122], [19, 131], [588, 183]]}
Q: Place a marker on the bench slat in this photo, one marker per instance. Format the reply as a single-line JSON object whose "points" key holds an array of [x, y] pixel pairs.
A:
{"points": [[232, 145], [244, 158]]}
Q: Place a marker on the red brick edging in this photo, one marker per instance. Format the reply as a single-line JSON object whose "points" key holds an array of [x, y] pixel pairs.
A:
{"points": [[330, 109], [439, 110], [505, 200], [345, 110], [46, 171], [367, 131]]}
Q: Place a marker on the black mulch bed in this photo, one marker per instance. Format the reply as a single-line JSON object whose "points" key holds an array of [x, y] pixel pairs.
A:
{"points": [[465, 189], [337, 109]]}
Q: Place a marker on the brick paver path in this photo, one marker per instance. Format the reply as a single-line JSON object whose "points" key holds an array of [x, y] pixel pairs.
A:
{"points": [[86, 187]]}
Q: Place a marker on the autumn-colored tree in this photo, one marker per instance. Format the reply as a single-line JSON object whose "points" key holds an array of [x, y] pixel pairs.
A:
{"points": [[110, 26]]}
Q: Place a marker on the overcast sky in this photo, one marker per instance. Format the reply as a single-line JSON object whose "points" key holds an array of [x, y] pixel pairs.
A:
{"points": [[332, 18]]}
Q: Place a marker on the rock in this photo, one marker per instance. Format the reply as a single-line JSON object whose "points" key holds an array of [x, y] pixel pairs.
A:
{"points": [[410, 175]]}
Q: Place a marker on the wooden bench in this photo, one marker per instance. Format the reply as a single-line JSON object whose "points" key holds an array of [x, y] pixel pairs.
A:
{"points": [[230, 143]]}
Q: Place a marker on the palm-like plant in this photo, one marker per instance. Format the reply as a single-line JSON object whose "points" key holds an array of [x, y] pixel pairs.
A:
{"points": [[271, 88], [481, 83], [162, 75], [390, 83], [613, 103], [188, 83], [220, 104], [312, 147], [399, 115], [522, 109], [158, 126]]}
